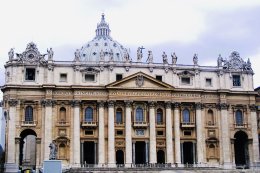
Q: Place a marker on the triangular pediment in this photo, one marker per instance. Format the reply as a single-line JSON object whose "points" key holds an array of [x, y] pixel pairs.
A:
{"points": [[140, 80]]}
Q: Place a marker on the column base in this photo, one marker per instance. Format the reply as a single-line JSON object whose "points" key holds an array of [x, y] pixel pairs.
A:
{"points": [[128, 165], [11, 168], [227, 165], [178, 165], [111, 165]]}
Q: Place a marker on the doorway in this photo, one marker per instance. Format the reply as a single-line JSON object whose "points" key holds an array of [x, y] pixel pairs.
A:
{"points": [[140, 152], [119, 157], [188, 153], [241, 149], [160, 157], [89, 152]]}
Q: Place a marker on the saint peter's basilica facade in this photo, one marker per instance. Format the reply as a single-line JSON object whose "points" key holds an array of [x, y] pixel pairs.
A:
{"points": [[105, 108]]}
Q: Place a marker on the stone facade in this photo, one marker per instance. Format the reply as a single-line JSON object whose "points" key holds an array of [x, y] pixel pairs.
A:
{"points": [[113, 110]]}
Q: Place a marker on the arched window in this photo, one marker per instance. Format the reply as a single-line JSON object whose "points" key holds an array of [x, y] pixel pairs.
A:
{"points": [[239, 117], [62, 114], [159, 116], [210, 117], [186, 116], [89, 114], [119, 116], [139, 115], [28, 114]]}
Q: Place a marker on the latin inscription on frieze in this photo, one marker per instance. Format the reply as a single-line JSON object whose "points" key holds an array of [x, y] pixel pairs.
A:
{"points": [[141, 93], [186, 95]]}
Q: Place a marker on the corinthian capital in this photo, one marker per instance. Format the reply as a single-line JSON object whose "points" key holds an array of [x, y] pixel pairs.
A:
{"points": [[75, 103], [252, 108], [111, 103], [128, 103], [13, 102], [48, 102]]}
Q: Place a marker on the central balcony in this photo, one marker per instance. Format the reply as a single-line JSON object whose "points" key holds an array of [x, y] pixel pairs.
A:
{"points": [[28, 123], [140, 124], [89, 124], [187, 124]]}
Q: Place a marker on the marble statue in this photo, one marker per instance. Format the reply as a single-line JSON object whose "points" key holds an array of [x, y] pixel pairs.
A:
{"points": [[102, 55], [220, 60], [53, 151], [77, 55], [11, 54], [165, 59], [139, 54], [195, 59], [50, 54], [174, 58], [111, 55], [126, 56], [150, 57]]}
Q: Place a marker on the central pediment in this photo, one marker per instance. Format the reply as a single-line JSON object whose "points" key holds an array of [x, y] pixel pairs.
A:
{"points": [[140, 80]]}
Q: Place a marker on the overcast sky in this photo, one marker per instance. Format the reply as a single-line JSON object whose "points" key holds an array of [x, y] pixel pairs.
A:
{"points": [[205, 27]]}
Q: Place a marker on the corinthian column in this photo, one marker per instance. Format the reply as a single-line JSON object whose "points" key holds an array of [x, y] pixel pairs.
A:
{"points": [[101, 137], [254, 135], [76, 133], [177, 133], [152, 142], [47, 127], [169, 146], [10, 162], [111, 134], [199, 132], [226, 152], [128, 134]]}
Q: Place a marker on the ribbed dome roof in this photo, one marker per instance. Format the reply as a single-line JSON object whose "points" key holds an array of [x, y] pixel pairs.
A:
{"points": [[102, 47]]}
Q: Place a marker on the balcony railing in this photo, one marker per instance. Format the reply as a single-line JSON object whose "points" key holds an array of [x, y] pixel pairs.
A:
{"points": [[28, 123], [62, 123], [119, 124], [187, 124], [240, 125], [89, 124], [140, 124]]}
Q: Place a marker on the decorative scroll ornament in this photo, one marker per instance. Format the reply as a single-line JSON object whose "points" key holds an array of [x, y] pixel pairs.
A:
{"points": [[139, 80], [235, 62], [31, 55]]}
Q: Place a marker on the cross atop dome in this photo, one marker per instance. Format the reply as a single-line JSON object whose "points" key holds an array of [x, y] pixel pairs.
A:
{"points": [[103, 28]]}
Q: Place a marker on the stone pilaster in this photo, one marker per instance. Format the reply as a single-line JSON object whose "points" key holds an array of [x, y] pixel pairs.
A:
{"points": [[128, 134], [76, 132], [226, 152], [11, 131], [177, 133], [255, 144], [199, 132], [101, 136], [169, 146], [111, 134], [47, 127], [152, 142], [38, 153]]}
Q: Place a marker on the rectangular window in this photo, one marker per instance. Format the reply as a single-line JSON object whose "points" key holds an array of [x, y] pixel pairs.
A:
{"points": [[89, 132], [89, 77], [30, 74], [159, 133], [119, 132], [185, 80], [236, 80], [187, 133], [158, 77], [63, 77], [119, 77], [208, 82]]}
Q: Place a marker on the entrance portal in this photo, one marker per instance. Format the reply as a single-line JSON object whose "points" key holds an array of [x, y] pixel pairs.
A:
{"points": [[89, 152], [188, 155], [241, 149], [140, 152], [27, 155], [160, 157], [119, 157]]}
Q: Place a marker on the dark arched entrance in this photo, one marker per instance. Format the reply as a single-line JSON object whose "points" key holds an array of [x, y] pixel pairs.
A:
{"points": [[27, 155], [160, 157], [241, 149], [119, 157]]}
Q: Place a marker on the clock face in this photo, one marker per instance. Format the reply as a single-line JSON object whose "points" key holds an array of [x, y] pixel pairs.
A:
{"points": [[31, 56]]}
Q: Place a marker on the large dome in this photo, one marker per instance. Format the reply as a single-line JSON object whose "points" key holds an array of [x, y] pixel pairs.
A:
{"points": [[102, 47]]}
